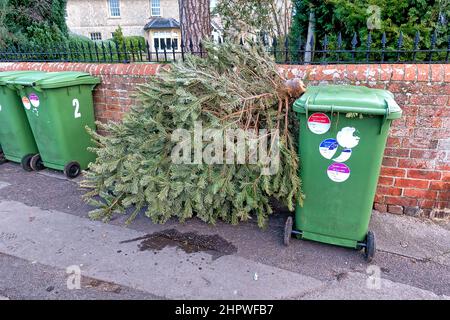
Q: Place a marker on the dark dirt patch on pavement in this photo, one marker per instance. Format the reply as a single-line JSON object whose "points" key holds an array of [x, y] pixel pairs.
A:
{"points": [[189, 242]]}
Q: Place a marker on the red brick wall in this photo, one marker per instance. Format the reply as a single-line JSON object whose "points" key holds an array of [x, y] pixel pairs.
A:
{"points": [[415, 177], [113, 96]]}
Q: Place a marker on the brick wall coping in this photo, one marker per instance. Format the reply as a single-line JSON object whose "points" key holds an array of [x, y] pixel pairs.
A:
{"points": [[137, 69], [355, 72]]}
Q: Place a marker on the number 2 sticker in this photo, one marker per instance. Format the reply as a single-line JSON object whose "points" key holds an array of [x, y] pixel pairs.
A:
{"points": [[76, 105]]}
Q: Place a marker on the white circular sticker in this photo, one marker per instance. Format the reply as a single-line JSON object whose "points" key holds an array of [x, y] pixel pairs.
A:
{"points": [[338, 172], [319, 123], [26, 103], [34, 99], [328, 148], [344, 156], [346, 139]]}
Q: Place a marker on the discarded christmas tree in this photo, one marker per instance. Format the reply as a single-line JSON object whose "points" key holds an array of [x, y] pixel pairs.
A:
{"points": [[146, 163]]}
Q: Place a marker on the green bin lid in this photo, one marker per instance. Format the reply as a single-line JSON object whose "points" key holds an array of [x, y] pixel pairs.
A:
{"points": [[346, 98], [11, 75], [53, 80]]}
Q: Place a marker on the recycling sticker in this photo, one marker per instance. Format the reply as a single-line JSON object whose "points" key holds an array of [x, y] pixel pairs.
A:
{"points": [[26, 103], [319, 123], [338, 172], [328, 148], [346, 138], [34, 99], [344, 156]]}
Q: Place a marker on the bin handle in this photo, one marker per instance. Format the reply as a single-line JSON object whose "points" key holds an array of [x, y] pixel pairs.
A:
{"points": [[344, 109], [306, 111], [331, 115], [14, 87], [37, 88], [385, 116], [18, 88]]}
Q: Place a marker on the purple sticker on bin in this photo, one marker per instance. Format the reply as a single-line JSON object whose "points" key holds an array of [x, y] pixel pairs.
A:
{"points": [[338, 172], [34, 99]]}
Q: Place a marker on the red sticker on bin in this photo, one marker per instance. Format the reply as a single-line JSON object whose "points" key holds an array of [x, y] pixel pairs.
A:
{"points": [[26, 103], [319, 123]]}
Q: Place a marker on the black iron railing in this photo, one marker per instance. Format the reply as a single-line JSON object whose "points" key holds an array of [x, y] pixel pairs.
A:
{"points": [[363, 50], [98, 52], [326, 51]]}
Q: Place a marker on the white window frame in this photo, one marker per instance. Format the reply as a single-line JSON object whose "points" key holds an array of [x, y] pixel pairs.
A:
{"points": [[152, 6], [165, 36], [93, 36], [115, 8]]}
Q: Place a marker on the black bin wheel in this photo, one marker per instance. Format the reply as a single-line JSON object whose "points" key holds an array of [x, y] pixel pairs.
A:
{"points": [[36, 163], [26, 162], [370, 248], [72, 170], [287, 231]]}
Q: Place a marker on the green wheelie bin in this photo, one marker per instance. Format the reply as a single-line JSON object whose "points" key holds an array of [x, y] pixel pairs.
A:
{"points": [[16, 138], [59, 107], [342, 135]]}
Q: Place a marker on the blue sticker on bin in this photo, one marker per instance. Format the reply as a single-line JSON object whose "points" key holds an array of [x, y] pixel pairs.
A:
{"points": [[328, 148]]}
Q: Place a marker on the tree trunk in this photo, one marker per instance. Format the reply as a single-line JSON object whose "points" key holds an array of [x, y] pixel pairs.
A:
{"points": [[311, 26], [286, 18], [279, 31], [195, 22]]}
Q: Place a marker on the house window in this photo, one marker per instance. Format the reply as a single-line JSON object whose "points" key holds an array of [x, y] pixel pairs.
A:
{"points": [[165, 40], [96, 36], [175, 44], [114, 8], [155, 8]]}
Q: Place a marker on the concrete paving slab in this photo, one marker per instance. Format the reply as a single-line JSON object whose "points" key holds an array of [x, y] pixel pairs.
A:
{"points": [[412, 237], [62, 240], [23, 280], [4, 184], [357, 286]]}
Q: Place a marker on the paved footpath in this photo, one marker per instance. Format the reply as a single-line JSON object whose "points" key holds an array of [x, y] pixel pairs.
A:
{"points": [[47, 244]]}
